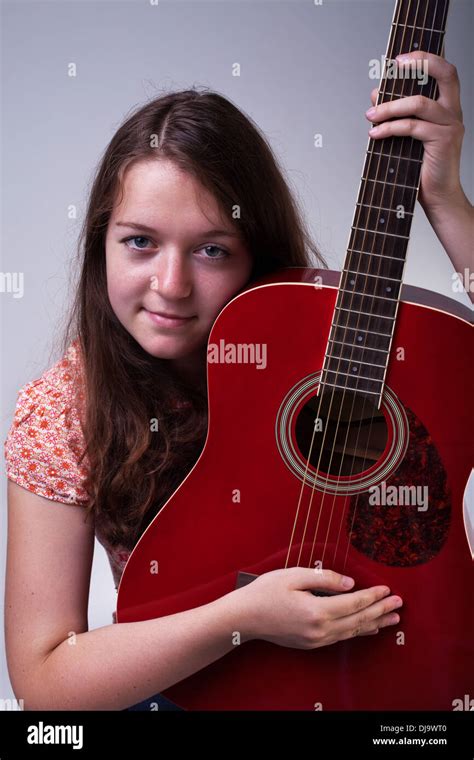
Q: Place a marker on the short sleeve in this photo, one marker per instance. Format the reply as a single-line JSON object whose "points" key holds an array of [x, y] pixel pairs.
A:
{"points": [[45, 441]]}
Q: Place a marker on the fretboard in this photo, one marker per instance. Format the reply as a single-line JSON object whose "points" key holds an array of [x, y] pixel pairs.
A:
{"points": [[367, 302]]}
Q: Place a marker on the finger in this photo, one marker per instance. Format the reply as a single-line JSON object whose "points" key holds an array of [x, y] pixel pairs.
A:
{"points": [[368, 620], [307, 579], [416, 128], [344, 605], [373, 95], [413, 105], [445, 74], [392, 618]]}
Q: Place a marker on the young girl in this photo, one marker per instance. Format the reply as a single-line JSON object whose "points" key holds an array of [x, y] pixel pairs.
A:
{"points": [[163, 252]]}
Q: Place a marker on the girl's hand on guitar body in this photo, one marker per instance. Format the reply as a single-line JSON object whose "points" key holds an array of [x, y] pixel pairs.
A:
{"points": [[279, 607]]}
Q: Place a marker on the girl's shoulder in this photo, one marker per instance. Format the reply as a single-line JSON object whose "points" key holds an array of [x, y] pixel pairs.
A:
{"points": [[45, 443]]}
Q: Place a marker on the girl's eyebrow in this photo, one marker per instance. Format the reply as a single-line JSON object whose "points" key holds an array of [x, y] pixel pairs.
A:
{"points": [[151, 231]]}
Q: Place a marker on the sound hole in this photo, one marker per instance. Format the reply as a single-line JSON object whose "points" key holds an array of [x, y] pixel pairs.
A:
{"points": [[354, 432]]}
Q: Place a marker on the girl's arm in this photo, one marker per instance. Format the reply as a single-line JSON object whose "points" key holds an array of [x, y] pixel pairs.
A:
{"points": [[453, 223]]}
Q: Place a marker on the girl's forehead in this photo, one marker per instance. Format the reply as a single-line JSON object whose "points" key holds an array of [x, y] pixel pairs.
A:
{"points": [[158, 190]]}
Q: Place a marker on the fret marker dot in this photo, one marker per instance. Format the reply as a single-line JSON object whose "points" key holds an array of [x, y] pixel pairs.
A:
{"points": [[354, 369], [382, 221], [359, 338], [415, 44], [352, 282], [389, 290], [391, 170]]}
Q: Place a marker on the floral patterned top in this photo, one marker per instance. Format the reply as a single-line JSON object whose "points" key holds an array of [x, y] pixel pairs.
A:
{"points": [[45, 442]]}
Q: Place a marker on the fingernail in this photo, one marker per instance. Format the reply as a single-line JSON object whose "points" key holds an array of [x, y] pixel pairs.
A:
{"points": [[394, 618], [402, 58], [398, 603], [370, 112], [374, 130], [347, 582]]}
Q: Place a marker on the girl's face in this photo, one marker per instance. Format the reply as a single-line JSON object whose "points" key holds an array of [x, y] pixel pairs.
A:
{"points": [[169, 250]]}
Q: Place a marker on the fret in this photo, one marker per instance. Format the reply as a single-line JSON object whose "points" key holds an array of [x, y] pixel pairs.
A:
{"points": [[395, 283], [368, 295], [391, 221], [354, 382], [432, 17], [410, 26], [365, 380], [354, 361], [403, 85], [348, 318], [361, 383], [377, 232], [378, 276], [345, 388], [392, 95], [363, 349], [352, 376], [378, 194], [370, 344], [360, 348], [372, 253], [366, 240], [381, 208], [398, 170], [364, 313], [382, 289], [387, 155], [394, 147], [366, 304], [360, 329], [431, 42], [375, 255], [340, 357], [409, 187]]}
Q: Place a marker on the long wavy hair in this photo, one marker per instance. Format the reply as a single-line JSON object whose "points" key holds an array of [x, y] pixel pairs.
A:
{"points": [[132, 470]]}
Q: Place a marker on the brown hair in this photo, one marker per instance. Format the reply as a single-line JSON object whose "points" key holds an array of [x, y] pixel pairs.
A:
{"points": [[132, 470]]}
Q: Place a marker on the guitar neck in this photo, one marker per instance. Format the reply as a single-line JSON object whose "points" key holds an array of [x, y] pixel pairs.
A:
{"points": [[369, 291]]}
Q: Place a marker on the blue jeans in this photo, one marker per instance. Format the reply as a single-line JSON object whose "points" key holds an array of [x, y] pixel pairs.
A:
{"points": [[151, 703]]}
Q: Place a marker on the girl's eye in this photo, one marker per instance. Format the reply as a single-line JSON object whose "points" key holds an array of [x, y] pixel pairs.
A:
{"points": [[136, 237], [216, 248]]}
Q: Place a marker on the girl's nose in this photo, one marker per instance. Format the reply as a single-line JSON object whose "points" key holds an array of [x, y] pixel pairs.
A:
{"points": [[172, 275]]}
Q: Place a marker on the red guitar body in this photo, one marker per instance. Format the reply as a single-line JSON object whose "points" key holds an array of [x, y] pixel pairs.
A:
{"points": [[237, 510]]}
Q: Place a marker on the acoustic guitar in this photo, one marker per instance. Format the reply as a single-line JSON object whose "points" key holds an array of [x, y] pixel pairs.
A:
{"points": [[339, 436]]}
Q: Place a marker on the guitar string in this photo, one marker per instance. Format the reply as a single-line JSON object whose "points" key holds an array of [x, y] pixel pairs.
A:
{"points": [[414, 144], [354, 295], [394, 37], [322, 388]]}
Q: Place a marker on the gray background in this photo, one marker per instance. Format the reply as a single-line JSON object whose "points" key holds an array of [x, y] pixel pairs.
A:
{"points": [[304, 69]]}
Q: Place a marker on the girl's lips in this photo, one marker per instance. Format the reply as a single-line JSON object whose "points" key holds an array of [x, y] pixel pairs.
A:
{"points": [[162, 321]]}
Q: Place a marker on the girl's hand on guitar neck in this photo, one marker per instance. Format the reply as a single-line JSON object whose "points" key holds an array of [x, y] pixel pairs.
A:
{"points": [[439, 125], [279, 607]]}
